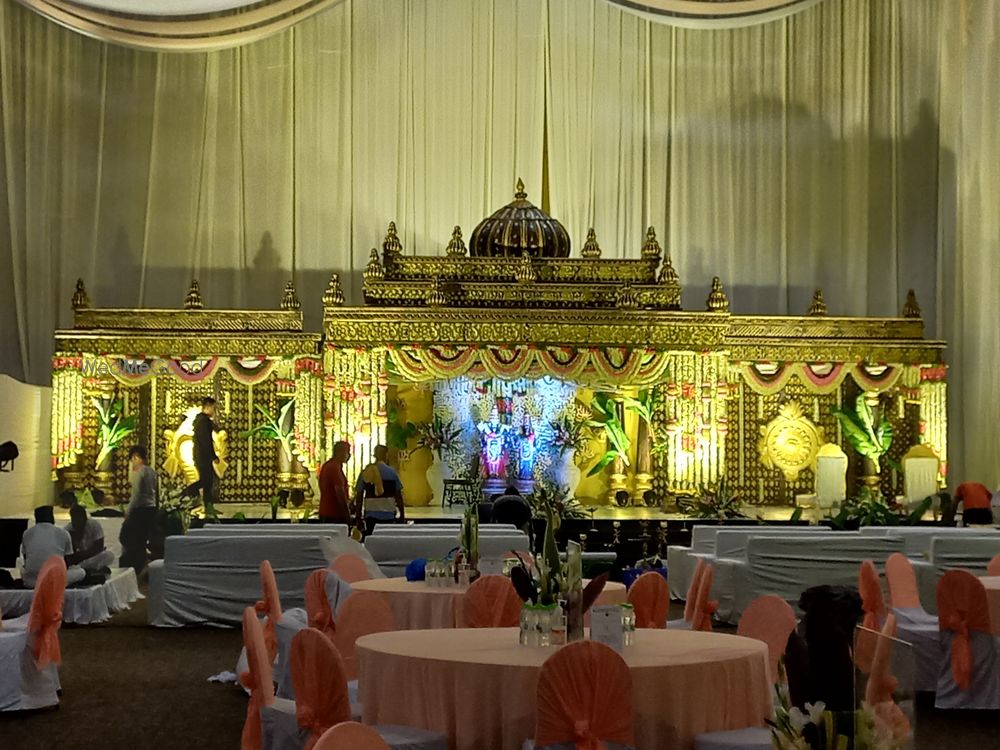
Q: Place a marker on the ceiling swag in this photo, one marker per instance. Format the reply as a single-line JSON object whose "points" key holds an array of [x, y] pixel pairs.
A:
{"points": [[714, 14], [178, 25]]}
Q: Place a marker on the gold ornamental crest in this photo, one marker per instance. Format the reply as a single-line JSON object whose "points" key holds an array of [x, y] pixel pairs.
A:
{"points": [[790, 441]]}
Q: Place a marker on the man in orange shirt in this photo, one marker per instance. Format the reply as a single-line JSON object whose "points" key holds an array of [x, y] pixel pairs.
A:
{"points": [[334, 494]]}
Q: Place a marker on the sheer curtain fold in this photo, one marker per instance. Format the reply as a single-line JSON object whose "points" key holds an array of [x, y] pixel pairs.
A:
{"points": [[848, 146]]}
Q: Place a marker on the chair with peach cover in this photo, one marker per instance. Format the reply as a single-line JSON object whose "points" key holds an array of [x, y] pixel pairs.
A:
{"points": [[913, 624], [257, 679], [491, 602], [650, 597], [322, 701], [269, 606], [29, 656], [350, 735], [689, 600], [704, 607], [873, 604], [769, 619], [584, 699], [362, 613], [993, 568], [879, 692], [350, 568], [969, 676]]}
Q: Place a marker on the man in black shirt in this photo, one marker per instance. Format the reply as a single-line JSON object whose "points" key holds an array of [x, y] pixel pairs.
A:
{"points": [[204, 454]]}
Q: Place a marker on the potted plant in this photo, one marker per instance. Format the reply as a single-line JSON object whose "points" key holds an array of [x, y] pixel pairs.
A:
{"points": [[719, 503], [114, 428], [868, 431], [276, 427], [569, 437], [440, 437]]}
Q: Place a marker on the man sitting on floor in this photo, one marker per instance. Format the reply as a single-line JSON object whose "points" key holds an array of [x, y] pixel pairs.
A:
{"points": [[88, 543], [42, 541], [379, 493]]}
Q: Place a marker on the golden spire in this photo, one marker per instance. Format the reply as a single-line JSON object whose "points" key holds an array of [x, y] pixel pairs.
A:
{"points": [[519, 193], [193, 300], [627, 298], [391, 246], [651, 248], [717, 300], [374, 270], [525, 271], [590, 248], [290, 300], [456, 248], [818, 307], [334, 294], [912, 308], [667, 274], [80, 299], [435, 295]]}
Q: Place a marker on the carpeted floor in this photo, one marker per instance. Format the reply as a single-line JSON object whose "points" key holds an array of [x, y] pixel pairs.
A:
{"points": [[126, 685]]}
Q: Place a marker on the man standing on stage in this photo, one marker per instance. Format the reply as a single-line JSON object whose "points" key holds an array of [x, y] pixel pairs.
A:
{"points": [[334, 500], [204, 455]]}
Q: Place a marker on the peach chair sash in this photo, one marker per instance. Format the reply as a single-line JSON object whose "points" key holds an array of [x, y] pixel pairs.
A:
{"points": [[770, 619], [270, 607], [362, 613], [350, 568], [962, 608], [692, 592], [584, 698], [320, 684], [318, 605], [993, 568], [650, 596], [46, 613], [881, 683], [704, 607], [903, 593], [872, 600], [491, 602], [257, 679], [350, 735]]}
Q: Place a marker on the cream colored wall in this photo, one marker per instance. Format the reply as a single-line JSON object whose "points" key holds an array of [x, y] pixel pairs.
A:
{"points": [[24, 418]]}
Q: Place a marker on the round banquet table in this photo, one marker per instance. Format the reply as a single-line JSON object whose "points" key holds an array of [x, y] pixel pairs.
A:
{"points": [[992, 586], [417, 606], [478, 685]]}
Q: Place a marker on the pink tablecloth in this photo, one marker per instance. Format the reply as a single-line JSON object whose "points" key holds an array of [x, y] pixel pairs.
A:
{"points": [[417, 606], [992, 584], [478, 686]]}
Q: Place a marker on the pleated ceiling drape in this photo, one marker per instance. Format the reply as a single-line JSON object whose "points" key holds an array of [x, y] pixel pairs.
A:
{"points": [[848, 146]]}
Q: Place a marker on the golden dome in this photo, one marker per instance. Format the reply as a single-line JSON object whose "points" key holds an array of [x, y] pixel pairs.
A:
{"points": [[517, 229]]}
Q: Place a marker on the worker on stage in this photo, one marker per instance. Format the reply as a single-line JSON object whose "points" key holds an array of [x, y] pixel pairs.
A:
{"points": [[378, 494]]}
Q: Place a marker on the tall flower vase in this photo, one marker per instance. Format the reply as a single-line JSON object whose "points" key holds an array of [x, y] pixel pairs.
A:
{"points": [[569, 472], [435, 478]]}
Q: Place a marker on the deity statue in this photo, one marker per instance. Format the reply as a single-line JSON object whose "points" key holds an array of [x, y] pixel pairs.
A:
{"points": [[526, 451], [493, 434]]}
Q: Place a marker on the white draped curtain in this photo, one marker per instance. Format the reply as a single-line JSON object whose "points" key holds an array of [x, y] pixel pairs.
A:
{"points": [[848, 146]]}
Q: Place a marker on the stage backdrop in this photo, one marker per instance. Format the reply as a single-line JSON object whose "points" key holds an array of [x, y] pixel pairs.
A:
{"points": [[849, 146]]}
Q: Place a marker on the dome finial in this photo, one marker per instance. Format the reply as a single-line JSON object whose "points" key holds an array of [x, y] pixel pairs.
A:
{"points": [[591, 249], [435, 295], [912, 308], [651, 247], [80, 299], [456, 248], [290, 300], [519, 193], [193, 300], [391, 246], [525, 271], [627, 298], [374, 271], [717, 299], [818, 307], [334, 294]]}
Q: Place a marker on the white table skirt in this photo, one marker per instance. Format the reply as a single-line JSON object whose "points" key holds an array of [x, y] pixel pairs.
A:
{"points": [[82, 606]]}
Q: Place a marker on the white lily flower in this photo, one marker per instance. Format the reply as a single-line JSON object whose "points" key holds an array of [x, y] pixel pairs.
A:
{"points": [[816, 711], [797, 719]]}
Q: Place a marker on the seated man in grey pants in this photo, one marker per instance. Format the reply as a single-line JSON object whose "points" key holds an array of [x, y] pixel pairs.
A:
{"points": [[88, 543]]}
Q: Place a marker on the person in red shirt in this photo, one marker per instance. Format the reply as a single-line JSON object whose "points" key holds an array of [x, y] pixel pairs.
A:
{"points": [[334, 494], [975, 501]]}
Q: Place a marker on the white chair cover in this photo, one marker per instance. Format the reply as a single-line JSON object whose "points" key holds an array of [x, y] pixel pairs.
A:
{"points": [[920, 478], [920, 630], [831, 476], [750, 738], [984, 690], [22, 685]]}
